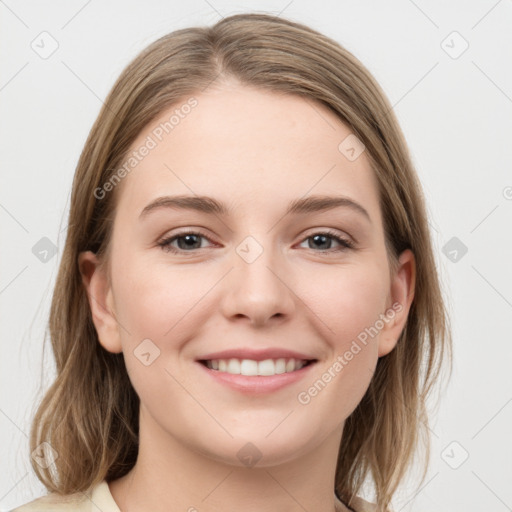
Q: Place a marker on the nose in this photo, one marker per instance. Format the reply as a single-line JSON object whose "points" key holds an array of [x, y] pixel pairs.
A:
{"points": [[258, 292]]}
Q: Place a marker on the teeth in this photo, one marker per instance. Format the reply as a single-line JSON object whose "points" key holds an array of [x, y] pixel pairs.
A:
{"points": [[250, 367]]}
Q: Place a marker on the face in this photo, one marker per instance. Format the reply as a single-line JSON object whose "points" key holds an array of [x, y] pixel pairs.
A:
{"points": [[188, 283]]}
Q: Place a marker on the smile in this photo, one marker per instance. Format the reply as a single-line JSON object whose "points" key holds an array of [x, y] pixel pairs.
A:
{"points": [[248, 376], [251, 367]]}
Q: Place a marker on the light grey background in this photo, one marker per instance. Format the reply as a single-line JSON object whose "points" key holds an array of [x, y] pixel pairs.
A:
{"points": [[455, 109]]}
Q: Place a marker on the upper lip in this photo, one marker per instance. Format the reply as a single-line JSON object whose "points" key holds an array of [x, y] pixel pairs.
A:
{"points": [[256, 355]]}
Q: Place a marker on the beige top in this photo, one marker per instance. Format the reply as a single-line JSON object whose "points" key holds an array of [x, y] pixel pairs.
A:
{"points": [[100, 499]]}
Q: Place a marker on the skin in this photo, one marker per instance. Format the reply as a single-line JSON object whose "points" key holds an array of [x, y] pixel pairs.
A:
{"points": [[256, 151]]}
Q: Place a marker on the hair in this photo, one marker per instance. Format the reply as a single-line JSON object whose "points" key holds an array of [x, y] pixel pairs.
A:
{"points": [[90, 413]]}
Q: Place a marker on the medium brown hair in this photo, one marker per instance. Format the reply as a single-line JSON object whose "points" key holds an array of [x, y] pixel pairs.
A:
{"points": [[90, 413]]}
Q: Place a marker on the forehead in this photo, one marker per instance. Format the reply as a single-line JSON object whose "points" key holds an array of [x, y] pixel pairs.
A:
{"points": [[252, 148]]}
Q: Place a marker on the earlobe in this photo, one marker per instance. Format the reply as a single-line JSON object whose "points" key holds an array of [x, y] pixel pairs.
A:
{"points": [[402, 294], [99, 294]]}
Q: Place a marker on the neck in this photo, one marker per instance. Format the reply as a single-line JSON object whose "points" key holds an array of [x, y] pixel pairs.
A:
{"points": [[171, 476]]}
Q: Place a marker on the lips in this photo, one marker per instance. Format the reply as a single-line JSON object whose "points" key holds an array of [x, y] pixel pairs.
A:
{"points": [[256, 355], [254, 371], [256, 362], [268, 380]]}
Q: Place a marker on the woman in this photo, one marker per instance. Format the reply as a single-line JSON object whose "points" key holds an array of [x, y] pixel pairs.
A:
{"points": [[248, 288]]}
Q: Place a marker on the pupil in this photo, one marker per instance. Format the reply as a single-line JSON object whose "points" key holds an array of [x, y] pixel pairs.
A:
{"points": [[190, 242], [322, 237]]}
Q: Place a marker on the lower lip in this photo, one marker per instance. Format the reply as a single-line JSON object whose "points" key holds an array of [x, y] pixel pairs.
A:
{"points": [[257, 384]]}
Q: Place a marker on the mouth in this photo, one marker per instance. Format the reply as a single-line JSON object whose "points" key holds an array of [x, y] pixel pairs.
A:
{"points": [[252, 368], [255, 377]]}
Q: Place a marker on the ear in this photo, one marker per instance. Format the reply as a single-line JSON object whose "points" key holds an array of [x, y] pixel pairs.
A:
{"points": [[401, 294], [99, 293]]}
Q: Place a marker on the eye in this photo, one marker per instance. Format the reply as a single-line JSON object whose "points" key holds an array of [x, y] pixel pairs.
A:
{"points": [[186, 240], [323, 238], [189, 241]]}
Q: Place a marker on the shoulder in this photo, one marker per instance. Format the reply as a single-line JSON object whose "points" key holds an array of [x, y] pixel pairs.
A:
{"points": [[55, 502], [98, 496]]}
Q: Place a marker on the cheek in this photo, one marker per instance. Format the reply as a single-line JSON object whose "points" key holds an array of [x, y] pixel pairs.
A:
{"points": [[153, 299], [347, 299], [349, 304], [161, 304]]}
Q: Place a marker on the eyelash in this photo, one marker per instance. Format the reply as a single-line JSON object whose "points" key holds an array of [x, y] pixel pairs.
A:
{"points": [[165, 244]]}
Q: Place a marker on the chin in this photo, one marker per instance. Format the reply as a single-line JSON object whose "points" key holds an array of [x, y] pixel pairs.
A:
{"points": [[259, 450]]}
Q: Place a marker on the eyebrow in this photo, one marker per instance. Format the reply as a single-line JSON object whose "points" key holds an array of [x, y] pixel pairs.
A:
{"points": [[209, 205]]}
